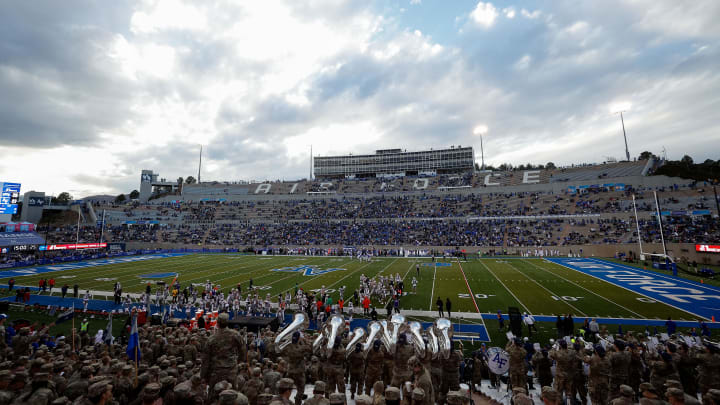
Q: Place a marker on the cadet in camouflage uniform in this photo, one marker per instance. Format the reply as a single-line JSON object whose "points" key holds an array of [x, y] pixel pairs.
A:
{"points": [[599, 378], [543, 368], [40, 392], [254, 386], [223, 351], [295, 354], [619, 367], [579, 379], [271, 378], [373, 365], [625, 398], [403, 352], [334, 369], [318, 397], [708, 368], [421, 380], [450, 372], [564, 368], [518, 369], [356, 366], [284, 389]]}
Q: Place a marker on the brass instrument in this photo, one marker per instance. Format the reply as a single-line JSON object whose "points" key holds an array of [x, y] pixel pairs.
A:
{"points": [[357, 335], [284, 338]]}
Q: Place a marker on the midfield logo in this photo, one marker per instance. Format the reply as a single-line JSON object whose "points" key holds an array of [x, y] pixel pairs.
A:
{"points": [[307, 270]]}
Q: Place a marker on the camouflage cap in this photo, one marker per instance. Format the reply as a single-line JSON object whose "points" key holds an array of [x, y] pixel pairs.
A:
{"points": [[222, 386], [337, 398], [550, 394], [256, 371], [99, 388], [127, 369], [182, 390], [522, 399], [20, 376], [41, 377], [363, 400], [227, 397], [241, 399], [675, 393], [648, 387], [276, 402], [713, 394], [673, 384], [392, 393], [5, 375], [152, 390], [454, 398], [626, 391], [285, 384], [61, 401], [418, 394], [319, 386], [168, 381], [264, 398]]}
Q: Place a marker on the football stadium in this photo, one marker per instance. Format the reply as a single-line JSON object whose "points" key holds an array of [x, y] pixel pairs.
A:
{"points": [[391, 246], [461, 232]]}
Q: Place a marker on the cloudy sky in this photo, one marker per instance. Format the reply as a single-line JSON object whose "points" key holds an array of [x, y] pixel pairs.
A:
{"points": [[92, 92]]}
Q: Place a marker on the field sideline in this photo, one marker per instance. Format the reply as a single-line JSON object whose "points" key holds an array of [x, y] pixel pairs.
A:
{"points": [[485, 285]]}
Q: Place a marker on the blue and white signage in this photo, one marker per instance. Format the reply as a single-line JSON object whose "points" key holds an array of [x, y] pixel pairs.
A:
{"points": [[695, 298], [307, 270], [9, 197]]}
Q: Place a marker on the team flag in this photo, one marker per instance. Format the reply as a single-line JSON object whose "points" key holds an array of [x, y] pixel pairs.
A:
{"points": [[133, 348], [108, 338], [66, 316]]}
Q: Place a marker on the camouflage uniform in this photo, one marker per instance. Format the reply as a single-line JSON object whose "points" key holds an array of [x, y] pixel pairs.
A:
{"points": [[335, 370], [517, 370], [270, 379], [564, 370], [319, 395], [374, 366], [400, 372], [222, 352], [295, 354], [708, 370], [254, 387], [356, 366], [423, 381], [543, 369], [450, 374], [599, 379], [619, 368]]}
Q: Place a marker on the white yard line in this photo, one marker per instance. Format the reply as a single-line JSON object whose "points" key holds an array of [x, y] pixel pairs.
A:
{"points": [[578, 285], [546, 289], [432, 293], [507, 289]]}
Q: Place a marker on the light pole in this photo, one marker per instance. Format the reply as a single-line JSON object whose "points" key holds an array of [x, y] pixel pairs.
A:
{"points": [[479, 131], [622, 121]]}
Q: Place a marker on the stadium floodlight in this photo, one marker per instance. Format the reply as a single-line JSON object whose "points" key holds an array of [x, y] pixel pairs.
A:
{"points": [[479, 131], [620, 108]]}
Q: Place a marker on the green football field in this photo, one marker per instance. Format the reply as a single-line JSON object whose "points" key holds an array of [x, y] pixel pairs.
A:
{"points": [[485, 285]]}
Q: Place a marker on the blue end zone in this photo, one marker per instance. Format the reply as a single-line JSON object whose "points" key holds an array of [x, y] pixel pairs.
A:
{"points": [[438, 264], [692, 297], [30, 271]]}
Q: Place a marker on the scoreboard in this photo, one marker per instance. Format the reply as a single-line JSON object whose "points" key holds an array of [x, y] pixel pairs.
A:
{"points": [[9, 197]]}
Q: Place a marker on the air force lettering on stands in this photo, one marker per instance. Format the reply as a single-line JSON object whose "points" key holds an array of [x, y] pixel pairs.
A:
{"points": [[529, 177]]}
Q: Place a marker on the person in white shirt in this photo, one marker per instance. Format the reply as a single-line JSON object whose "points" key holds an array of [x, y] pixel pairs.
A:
{"points": [[529, 320]]}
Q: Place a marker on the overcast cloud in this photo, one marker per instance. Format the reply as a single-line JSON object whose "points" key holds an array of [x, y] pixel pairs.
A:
{"points": [[94, 92]]}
